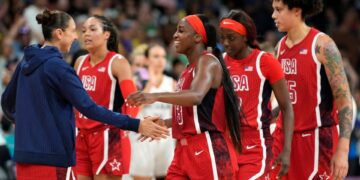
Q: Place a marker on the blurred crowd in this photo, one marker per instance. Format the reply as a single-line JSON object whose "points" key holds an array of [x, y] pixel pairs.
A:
{"points": [[142, 22]]}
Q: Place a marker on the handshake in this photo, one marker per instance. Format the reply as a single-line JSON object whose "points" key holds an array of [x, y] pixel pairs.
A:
{"points": [[153, 128]]}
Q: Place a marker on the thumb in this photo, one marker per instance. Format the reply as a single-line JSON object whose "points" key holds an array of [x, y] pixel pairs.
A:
{"points": [[275, 163], [153, 118]]}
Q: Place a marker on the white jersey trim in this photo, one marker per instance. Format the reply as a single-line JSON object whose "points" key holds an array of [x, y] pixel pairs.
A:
{"points": [[318, 79], [212, 156], [106, 151], [316, 155], [258, 118], [195, 113], [279, 47], [81, 63], [113, 81]]}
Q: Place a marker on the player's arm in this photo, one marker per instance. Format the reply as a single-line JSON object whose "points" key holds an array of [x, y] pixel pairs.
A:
{"points": [[8, 98], [206, 69], [282, 96], [329, 55], [121, 70]]}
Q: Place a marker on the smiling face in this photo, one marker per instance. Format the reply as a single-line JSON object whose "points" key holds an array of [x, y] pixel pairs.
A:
{"points": [[184, 37], [93, 34], [284, 17], [233, 42]]}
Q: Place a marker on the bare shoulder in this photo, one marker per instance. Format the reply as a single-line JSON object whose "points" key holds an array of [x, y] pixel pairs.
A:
{"points": [[120, 60], [78, 61], [326, 50]]}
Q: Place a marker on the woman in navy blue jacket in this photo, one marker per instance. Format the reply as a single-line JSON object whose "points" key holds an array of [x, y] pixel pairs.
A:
{"points": [[40, 99]]}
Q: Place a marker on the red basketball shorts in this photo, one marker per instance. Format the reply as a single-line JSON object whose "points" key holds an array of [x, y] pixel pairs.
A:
{"points": [[203, 156], [311, 153], [105, 150]]}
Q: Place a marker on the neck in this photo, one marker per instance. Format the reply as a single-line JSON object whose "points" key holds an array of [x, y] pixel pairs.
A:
{"points": [[50, 43], [297, 33], [243, 53], [98, 54], [194, 54]]}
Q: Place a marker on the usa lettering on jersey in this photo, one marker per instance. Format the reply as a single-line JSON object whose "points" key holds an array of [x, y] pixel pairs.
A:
{"points": [[289, 65], [241, 82], [89, 82]]}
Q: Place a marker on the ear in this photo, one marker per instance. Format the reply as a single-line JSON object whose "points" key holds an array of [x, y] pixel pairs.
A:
{"points": [[297, 11], [197, 38], [107, 34], [58, 34]]}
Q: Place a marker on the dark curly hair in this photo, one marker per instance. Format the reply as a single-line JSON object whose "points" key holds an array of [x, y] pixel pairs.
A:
{"points": [[243, 18], [309, 7]]}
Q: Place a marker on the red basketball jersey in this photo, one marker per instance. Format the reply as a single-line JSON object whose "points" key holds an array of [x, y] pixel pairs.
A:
{"points": [[101, 85], [208, 116], [252, 78], [309, 88]]}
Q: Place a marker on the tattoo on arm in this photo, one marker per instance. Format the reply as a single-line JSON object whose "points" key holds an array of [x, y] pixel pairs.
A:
{"points": [[340, 88], [345, 114]]}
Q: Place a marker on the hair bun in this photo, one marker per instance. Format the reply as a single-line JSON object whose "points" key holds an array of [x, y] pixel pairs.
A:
{"points": [[44, 18]]}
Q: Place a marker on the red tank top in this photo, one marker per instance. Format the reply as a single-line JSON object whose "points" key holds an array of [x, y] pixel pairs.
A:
{"points": [[252, 78], [192, 120], [309, 88], [102, 87]]}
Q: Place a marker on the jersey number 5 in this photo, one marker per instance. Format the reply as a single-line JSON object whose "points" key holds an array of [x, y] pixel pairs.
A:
{"points": [[292, 91]]}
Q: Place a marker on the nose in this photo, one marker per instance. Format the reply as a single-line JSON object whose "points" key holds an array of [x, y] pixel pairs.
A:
{"points": [[175, 35], [273, 15]]}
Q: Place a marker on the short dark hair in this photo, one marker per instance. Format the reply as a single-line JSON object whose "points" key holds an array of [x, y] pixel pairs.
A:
{"points": [[309, 7], [51, 20]]}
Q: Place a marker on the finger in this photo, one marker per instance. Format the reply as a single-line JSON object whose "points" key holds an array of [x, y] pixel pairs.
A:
{"points": [[343, 172], [336, 172], [283, 170], [332, 168]]}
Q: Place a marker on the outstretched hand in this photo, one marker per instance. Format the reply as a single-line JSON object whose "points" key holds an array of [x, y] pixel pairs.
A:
{"points": [[149, 129], [139, 98]]}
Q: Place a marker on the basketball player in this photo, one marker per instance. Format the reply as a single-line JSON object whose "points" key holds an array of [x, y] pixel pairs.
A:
{"points": [[200, 122], [255, 74], [103, 151], [318, 90]]}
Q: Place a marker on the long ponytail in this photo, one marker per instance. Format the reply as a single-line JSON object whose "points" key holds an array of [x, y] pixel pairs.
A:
{"points": [[231, 100]]}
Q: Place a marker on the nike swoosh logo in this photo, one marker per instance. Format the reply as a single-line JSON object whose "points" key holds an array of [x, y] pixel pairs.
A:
{"points": [[282, 52], [198, 152], [227, 23], [305, 134], [250, 147]]}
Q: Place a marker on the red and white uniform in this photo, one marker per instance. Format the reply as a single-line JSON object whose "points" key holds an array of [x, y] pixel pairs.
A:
{"points": [[101, 148], [252, 78], [315, 132], [201, 152]]}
